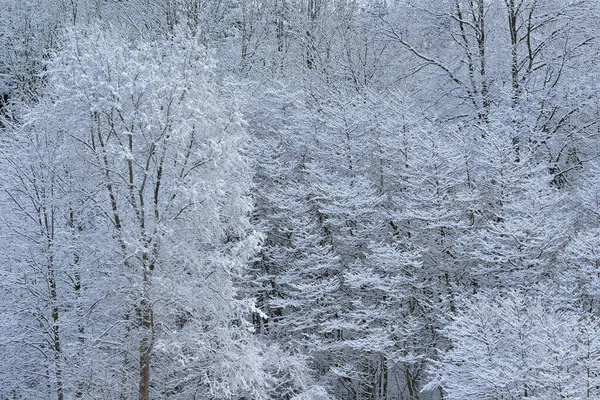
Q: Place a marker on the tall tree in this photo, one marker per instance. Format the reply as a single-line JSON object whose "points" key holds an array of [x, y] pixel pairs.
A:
{"points": [[161, 162]]}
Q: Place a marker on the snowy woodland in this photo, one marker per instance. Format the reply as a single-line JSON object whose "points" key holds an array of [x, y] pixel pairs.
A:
{"points": [[300, 199]]}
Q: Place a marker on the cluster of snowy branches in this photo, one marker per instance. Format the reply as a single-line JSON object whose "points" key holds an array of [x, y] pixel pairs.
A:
{"points": [[300, 199]]}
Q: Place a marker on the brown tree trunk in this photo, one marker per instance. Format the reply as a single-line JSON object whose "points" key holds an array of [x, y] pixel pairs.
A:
{"points": [[146, 342]]}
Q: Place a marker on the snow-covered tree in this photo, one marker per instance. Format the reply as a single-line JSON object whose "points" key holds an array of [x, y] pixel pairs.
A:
{"points": [[160, 162], [516, 345]]}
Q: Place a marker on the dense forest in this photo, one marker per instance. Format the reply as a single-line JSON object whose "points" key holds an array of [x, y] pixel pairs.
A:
{"points": [[300, 199]]}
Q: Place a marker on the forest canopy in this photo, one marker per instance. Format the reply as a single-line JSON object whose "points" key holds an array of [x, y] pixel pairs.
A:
{"points": [[300, 199]]}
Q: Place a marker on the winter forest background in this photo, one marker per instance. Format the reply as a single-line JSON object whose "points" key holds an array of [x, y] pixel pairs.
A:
{"points": [[300, 199]]}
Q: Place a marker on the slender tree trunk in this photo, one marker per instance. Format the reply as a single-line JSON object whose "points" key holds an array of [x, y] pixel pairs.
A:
{"points": [[125, 372], [56, 340], [481, 38], [46, 222], [512, 11], [384, 378], [146, 342], [75, 227]]}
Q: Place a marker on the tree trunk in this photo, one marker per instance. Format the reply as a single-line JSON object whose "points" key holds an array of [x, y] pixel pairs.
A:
{"points": [[146, 342]]}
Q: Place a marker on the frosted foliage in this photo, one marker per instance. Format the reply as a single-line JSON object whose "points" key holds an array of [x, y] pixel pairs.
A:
{"points": [[299, 199], [516, 345], [134, 148]]}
